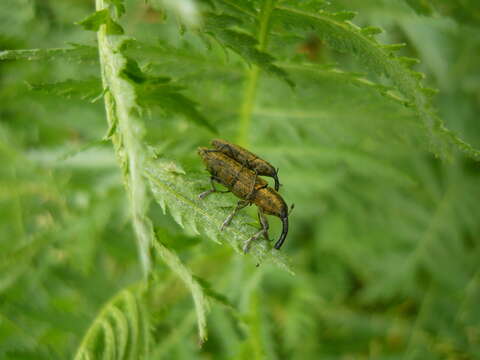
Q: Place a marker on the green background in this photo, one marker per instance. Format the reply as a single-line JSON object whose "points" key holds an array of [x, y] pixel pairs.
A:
{"points": [[384, 237]]}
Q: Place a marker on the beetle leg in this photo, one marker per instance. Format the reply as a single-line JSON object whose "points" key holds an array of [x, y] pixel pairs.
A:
{"points": [[240, 205], [253, 190], [264, 222], [264, 231], [204, 194]]}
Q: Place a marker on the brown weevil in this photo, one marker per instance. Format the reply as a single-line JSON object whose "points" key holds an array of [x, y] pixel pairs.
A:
{"points": [[246, 158], [246, 185]]}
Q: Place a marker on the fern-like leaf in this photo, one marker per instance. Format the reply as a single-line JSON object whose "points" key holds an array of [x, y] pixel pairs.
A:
{"points": [[15, 263], [209, 291], [221, 28], [88, 89], [344, 36], [198, 294], [462, 11], [120, 330], [120, 77], [356, 79], [159, 91]]}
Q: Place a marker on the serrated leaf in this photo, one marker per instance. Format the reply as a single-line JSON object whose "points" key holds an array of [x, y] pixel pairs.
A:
{"points": [[131, 71], [154, 91], [209, 291], [101, 17], [381, 59], [171, 101], [219, 26], [95, 20], [344, 15], [198, 295], [15, 263], [429, 91], [418, 75], [394, 47], [119, 6], [371, 30], [408, 60], [313, 6], [175, 241], [89, 89]]}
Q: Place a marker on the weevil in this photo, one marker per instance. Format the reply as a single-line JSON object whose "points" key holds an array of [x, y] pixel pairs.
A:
{"points": [[246, 158], [251, 189]]}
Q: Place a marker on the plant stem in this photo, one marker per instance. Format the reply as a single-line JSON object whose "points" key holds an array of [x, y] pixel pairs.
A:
{"points": [[120, 108], [127, 132], [253, 73]]}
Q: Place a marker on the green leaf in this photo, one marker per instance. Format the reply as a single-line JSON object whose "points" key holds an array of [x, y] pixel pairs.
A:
{"points": [[209, 291], [101, 17], [384, 237], [394, 47], [15, 263], [380, 59], [196, 290], [89, 89], [154, 91], [408, 60], [132, 72], [186, 11], [371, 30], [179, 194], [343, 15], [422, 7], [75, 53], [220, 27], [120, 330], [119, 6], [170, 100]]}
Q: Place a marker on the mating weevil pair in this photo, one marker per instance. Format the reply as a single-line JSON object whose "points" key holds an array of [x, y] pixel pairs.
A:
{"points": [[237, 169]]}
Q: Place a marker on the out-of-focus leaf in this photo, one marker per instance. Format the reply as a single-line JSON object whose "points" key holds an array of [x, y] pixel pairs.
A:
{"points": [[89, 89], [101, 17]]}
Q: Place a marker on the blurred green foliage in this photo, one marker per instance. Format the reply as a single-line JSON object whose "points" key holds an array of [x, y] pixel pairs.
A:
{"points": [[384, 236]]}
